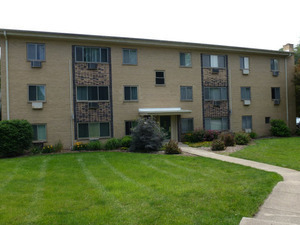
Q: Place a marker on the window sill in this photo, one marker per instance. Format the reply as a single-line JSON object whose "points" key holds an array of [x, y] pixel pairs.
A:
{"points": [[30, 102], [125, 64], [128, 101], [185, 67], [186, 100], [95, 101]]}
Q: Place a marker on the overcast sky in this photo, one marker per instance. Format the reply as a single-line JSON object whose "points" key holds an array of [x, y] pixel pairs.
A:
{"points": [[266, 24]]}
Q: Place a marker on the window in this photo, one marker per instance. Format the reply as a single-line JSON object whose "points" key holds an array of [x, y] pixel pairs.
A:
{"points": [[215, 93], [92, 93], [91, 54], [274, 65], [130, 93], [186, 93], [185, 59], [246, 122], [187, 125], [244, 63], [130, 56], [93, 130], [214, 61], [129, 125], [275, 93], [267, 120], [37, 92], [216, 123], [159, 77], [245, 93], [35, 52], [39, 132]]}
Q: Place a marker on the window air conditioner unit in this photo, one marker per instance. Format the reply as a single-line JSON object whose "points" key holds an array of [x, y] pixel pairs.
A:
{"points": [[36, 64], [247, 102], [217, 103], [248, 130], [215, 70], [93, 105], [276, 101], [37, 105], [92, 66], [245, 71], [275, 73]]}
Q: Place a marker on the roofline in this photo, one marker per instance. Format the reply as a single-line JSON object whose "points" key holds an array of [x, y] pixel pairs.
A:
{"points": [[139, 41]]}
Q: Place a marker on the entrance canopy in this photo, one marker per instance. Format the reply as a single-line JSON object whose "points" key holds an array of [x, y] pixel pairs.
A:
{"points": [[163, 111]]}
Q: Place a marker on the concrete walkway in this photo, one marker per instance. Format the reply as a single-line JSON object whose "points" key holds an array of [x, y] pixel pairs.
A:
{"points": [[283, 204]]}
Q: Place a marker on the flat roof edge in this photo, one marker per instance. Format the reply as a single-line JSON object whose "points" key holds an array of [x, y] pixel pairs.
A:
{"points": [[139, 41]]}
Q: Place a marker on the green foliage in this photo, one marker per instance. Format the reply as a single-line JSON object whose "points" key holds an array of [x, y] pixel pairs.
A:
{"points": [[147, 136], [199, 144], [126, 141], [279, 128], [199, 135], [253, 135], [79, 146], [242, 138], [218, 145], [94, 145], [35, 149], [112, 143], [227, 138], [297, 132], [48, 149], [16, 137], [172, 148], [58, 146]]}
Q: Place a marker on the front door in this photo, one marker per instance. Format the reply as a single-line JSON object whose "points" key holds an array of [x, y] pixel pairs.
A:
{"points": [[165, 124]]}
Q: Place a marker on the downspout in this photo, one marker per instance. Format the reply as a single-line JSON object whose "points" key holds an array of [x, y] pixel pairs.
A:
{"points": [[6, 78], [286, 91], [71, 104]]}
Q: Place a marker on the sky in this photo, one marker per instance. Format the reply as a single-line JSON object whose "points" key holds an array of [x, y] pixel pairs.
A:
{"points": [[264, 24]]}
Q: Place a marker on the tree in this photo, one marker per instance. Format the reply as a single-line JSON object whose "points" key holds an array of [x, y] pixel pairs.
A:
{"points": [[297, 79]]}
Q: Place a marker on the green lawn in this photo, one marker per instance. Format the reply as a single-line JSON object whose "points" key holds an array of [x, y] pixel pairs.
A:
{"points": [[128, 188], [284, 152]]}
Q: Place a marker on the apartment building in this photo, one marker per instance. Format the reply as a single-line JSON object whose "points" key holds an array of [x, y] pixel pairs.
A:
{"points": [[81, 87]]}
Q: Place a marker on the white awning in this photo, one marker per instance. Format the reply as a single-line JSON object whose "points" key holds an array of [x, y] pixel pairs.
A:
{"points": [[163, 111]]}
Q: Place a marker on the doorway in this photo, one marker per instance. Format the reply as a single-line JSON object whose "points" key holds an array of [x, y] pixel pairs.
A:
{"points": [[165, 124]]}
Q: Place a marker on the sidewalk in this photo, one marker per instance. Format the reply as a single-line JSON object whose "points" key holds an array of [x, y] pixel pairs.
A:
{"points": [[283, 204]]}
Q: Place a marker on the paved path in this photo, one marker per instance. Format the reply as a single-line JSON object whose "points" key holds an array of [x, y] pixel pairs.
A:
{"points": [[283, 204]]}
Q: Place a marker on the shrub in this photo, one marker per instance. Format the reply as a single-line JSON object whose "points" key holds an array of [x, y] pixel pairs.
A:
{"points": [[48, 149], [200, 144], [94, 145], [79, 146], [217, 145], [58, 146], [16, 137], [172, 148], [35, 149], [242, 138], [126, 141], [253, 135], [297, 132], [200, 136], [280, 129], [146, 136], [228, 139], [210, 135], [112, 143]]}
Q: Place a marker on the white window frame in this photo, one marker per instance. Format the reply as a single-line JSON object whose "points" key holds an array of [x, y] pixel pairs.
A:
{"points": [[83, 60], [187, 55], [36, 85], [247, 89], [39, 125], [162, 78], [36, 52], [137, 93], [245, 63], [131, 61], [185, 99]]}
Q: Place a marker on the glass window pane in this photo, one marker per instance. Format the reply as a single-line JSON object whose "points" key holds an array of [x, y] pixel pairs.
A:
{"points": [[246, 63], [127, 93], [103, 93], [188, 59], [183, 93], [214, 61], [275, 64], [32, 93], [187, 125], [40, 52], [160, 81], [82, 93], [41, 93], [35, 133], [133, 56], [87, 55], [189, 93], [206, 61], [207, 123], [215, 124], [128, 126], [79, 55], [104, 55], [104, 130], [126, 56], [41, 129], [92, 93], [182, 59], [215, 94], [224, 123], [223, 93], [31, 52], [207, 94], [221, 61], [95, 55], [83, 130], [94, 130], [134, 93]]}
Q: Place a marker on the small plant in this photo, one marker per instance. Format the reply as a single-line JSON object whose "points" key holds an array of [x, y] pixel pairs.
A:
{"points": [[94, 145], [200, 144], [280, 129], [253, 135], [218, 145], [48, 149], [210, 135], [126, 141], [124, 148], [172, 148], [227, 138], [79, 146], [35, 149], [58, 146], [112, 143], [199, 135], [242, 138]]}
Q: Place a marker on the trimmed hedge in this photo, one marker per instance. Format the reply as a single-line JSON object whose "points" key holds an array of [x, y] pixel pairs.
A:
{"points": [[16, 137], [280, 129]]}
